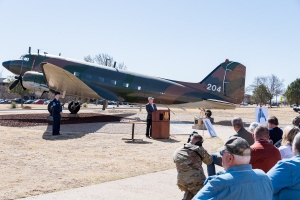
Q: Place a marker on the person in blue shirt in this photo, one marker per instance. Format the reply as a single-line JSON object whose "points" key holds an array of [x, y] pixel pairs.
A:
{"points": [[56, 114], [238, 127], [285, 175], [239, 180]]}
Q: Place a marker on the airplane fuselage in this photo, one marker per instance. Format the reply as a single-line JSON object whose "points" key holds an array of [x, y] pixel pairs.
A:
{"points": [[121, 85]]}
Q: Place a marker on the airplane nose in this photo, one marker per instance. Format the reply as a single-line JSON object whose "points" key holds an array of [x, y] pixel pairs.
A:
{"points": [[6, 64]]}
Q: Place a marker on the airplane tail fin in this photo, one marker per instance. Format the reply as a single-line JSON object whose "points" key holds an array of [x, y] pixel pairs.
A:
{"points": [[225, 83]]}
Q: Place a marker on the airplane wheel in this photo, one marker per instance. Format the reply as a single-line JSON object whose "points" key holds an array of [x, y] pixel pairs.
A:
{"points": [[74, 108], [50, 107], [208, 113]]}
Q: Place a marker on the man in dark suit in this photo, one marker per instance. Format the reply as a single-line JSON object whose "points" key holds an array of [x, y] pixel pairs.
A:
{"points": [[238, 127], [150, 107], [56, 114]]}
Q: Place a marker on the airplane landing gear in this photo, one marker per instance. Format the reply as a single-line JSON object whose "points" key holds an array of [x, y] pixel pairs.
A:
{"points": [[74, 107]]}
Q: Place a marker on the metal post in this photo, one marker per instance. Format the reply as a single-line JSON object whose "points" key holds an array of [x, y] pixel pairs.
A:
{"points": [[132, 137]]}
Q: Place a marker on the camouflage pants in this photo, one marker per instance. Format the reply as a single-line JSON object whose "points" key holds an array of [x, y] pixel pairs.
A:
{"points": [[190, 191]]}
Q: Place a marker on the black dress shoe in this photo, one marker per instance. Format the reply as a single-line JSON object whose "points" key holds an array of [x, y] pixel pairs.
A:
{"points": [[56, 134], [148, 136]]}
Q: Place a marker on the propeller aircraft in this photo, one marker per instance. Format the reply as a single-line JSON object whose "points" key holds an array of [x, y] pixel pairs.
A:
{"points": [[41, 72]]}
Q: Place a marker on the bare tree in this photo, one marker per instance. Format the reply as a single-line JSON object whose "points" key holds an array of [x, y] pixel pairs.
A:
{"points": [[256, 82], [104, 59], [88, 59], [274, 86], [122, 66], [272, 83]]}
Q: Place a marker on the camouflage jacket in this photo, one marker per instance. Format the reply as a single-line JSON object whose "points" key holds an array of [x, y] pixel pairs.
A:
{"points": [[189, 164]]}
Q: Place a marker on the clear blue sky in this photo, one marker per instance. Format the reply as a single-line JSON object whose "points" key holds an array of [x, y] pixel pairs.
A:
{"points": [[181, 40]]}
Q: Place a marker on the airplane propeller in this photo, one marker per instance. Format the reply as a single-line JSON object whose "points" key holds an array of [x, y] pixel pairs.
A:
{"points": [[18, 79], [15, 83]]}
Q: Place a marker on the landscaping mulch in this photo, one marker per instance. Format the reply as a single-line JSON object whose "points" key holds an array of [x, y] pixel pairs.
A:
{"points": [[27, 120]]}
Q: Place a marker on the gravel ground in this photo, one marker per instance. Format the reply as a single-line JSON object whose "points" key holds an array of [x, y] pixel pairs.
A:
{"points": [[34, 162]]}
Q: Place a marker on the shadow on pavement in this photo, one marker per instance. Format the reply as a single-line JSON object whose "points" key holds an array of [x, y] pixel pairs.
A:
{"points": [[73, 131], [138, 142], [170, 140]]}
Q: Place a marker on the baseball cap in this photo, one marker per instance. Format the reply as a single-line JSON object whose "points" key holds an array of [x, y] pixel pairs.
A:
{"points": [[150, 98], [237, 146], [55, 93]]}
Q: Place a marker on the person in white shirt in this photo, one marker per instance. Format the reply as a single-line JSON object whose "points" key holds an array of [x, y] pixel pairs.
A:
{"points": [[287, 140]]}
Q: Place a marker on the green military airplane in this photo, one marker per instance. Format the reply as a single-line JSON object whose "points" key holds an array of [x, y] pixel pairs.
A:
{"points": [[41, 72]]}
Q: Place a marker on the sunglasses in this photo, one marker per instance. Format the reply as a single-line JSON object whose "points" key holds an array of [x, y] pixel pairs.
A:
{"points": [[224, 151]]}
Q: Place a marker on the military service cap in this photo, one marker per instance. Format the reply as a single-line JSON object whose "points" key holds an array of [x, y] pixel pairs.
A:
{"points": [[237, 146]]}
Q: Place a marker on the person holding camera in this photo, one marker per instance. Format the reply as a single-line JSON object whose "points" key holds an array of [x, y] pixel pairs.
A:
{"points": [[188, 160]]}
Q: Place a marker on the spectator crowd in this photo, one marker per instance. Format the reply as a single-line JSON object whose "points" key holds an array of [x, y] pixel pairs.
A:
{"points": [[262, 163]]}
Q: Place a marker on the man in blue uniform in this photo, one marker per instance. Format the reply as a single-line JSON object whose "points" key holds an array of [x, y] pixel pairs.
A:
{"points": [[56, 114], [150, 107]]}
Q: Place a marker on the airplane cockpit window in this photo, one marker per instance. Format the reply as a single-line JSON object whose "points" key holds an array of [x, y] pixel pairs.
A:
{"points": [[24, 57]]}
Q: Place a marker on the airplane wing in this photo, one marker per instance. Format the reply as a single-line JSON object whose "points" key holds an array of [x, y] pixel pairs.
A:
{"points": [[207, 104], [61, 80]]}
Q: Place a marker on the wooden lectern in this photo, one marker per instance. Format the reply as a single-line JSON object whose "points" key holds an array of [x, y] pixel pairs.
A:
{"points": [[161, 124]]}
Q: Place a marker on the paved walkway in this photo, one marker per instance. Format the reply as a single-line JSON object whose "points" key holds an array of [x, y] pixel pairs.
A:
{"points": [[154, 186]]}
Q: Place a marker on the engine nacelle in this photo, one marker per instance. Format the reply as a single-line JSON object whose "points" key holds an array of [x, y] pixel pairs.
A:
{"points": [[35, 82]]}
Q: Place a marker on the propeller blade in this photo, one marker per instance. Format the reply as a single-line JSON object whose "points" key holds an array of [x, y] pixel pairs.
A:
{"points": [[14, 84], [21, 81]]}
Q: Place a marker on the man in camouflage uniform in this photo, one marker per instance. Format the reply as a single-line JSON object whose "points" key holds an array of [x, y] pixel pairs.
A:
{"points": [[188, 161]]}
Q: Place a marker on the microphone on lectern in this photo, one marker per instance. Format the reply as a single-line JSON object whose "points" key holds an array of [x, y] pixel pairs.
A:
{"points": [[166, 106]]}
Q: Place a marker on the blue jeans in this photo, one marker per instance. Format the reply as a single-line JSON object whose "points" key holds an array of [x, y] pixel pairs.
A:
{"points": [[217, 160]]}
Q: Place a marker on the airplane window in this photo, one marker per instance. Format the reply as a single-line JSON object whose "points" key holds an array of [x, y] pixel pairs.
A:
{"points": [[43, 81], [101, 79], [38, 79], [26, 59], [125, 84], [113, 82], [89, 76], [139, 87]]}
